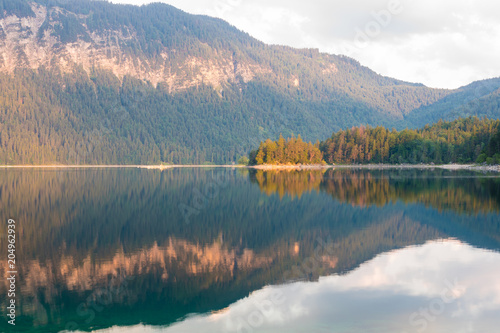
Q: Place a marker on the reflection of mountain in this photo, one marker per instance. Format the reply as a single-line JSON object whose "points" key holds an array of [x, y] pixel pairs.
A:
{"points": [[178, 258], [191, 266], [183, 277], [83, 231], [377, 297], [365, 188]]}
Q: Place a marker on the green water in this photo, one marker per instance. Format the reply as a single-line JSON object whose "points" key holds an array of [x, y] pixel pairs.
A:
{"points": [[222, 250]]}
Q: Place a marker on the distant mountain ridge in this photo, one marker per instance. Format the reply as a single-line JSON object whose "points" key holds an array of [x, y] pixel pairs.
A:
{"points": [[94, 82], [480, 98]]}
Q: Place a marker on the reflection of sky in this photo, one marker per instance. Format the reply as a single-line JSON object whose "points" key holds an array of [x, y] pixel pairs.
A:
{"points": [[438, 287]]}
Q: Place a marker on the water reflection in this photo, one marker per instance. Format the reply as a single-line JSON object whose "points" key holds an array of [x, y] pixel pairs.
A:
{"points": [[438, 287], [102, 248], [290, 182], [458, 191]]}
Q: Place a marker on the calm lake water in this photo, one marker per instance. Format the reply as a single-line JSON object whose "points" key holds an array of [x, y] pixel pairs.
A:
{"points": [[222, 250]]}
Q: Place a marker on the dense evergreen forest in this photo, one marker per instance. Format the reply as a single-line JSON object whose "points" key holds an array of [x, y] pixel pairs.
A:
{"points": [[100, 120], [76, 114], [459, 141], [491, 153], [465, 140], [291, 151]]}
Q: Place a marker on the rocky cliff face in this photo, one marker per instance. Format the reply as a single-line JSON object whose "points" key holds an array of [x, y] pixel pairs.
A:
{"points": [[36, 42]]}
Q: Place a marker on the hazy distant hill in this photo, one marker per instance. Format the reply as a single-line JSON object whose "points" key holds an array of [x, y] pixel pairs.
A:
{"points": [[480, 98], [93, 82]]}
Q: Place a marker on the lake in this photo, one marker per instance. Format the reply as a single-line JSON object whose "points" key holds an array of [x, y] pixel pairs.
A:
{"points": [[238, 250]]}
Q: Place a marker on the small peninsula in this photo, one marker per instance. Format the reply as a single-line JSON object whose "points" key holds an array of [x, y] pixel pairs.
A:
{"points": [[464, 141]]}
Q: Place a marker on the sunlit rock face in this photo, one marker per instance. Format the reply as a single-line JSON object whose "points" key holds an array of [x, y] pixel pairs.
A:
{"points": [[35, 42]]}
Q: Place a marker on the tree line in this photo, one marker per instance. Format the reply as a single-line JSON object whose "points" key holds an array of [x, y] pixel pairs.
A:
{"points": [[459, 141], [465, 140], [291, 151]]}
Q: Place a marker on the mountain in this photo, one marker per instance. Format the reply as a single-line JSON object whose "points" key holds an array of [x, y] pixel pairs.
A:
{"points": [[90, 82], [480, 98]]}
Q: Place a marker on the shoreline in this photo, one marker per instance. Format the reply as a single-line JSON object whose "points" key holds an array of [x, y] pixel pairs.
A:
{"points": [[266, 167], [471, 167], [124, 166]]}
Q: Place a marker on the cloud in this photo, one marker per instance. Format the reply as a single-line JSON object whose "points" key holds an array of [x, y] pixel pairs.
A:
{"points": [[446, 43]]}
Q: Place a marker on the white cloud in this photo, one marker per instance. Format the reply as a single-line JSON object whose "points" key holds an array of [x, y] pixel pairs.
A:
{"points": [[446, 43]]}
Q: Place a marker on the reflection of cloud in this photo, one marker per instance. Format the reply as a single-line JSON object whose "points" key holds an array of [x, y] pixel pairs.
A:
{"points": [[134, 329], [380, 296]]}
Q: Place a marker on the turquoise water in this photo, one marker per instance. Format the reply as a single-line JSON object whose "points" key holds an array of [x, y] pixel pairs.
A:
{"points": [[224, 250]]}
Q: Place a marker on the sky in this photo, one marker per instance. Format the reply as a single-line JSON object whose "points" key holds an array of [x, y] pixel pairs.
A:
{"points": [[440, 43]]}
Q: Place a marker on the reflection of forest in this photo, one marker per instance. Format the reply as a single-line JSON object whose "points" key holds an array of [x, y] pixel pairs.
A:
{"points": [[80, 230], [364, 188], [293, 183]]}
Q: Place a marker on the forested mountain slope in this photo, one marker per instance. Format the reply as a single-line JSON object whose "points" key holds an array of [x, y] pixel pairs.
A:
{"points": [[94, 82], [480, 98]]}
